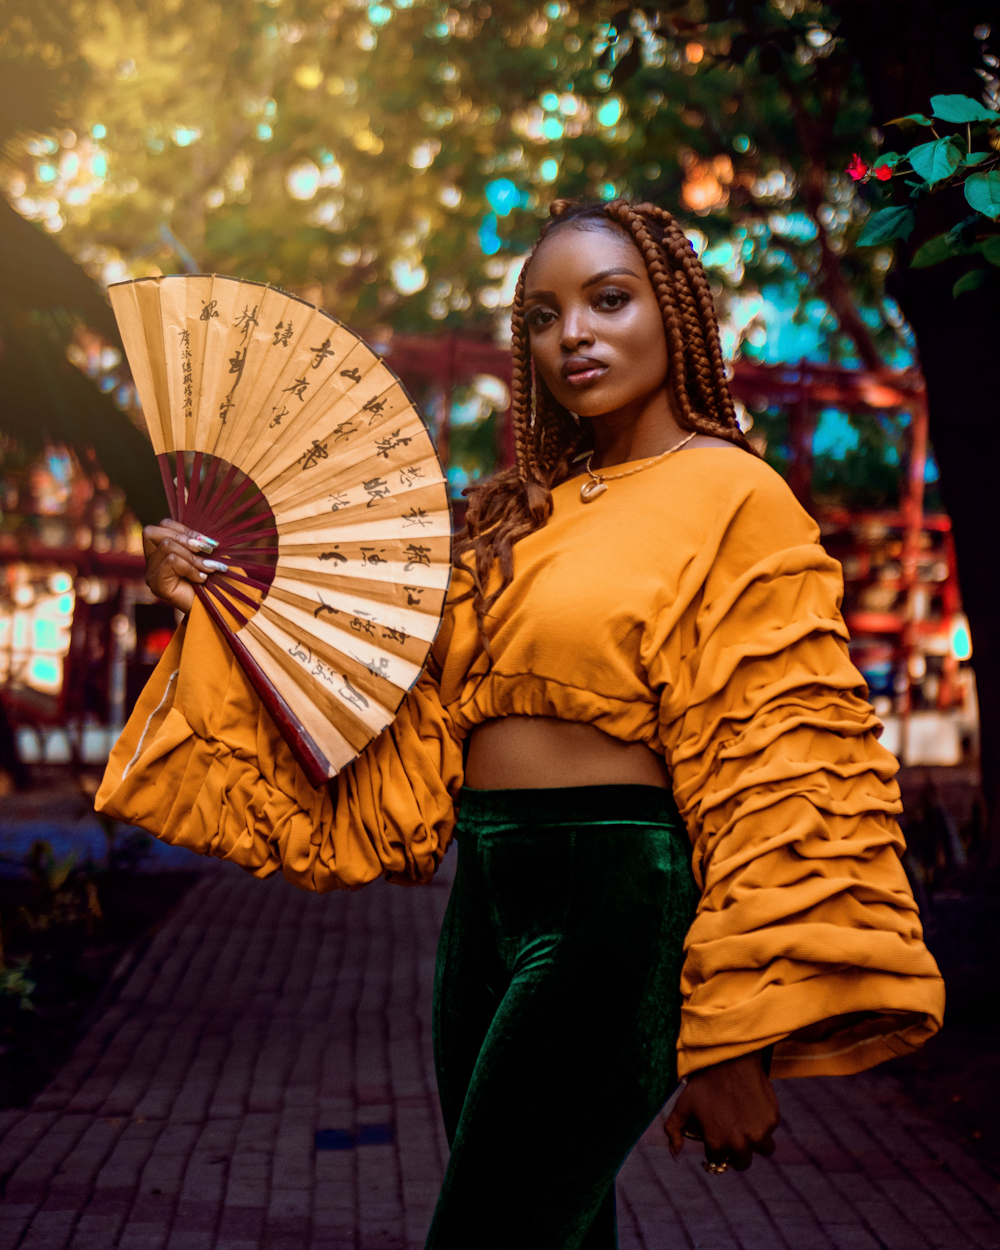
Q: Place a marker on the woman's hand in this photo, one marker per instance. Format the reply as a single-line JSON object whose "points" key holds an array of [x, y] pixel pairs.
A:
{"points": [[732, 1108], [173, 567]]}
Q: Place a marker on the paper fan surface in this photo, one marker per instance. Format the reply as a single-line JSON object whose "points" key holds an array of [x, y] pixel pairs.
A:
{"points": [[283, 436]]}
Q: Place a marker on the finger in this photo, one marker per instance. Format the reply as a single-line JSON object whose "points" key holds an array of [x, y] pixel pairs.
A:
{"points": [[201, 564], [194, 539], [191, 538], [172, 569], [740, 1160], [153, 535], [171, 576], [171, 555], [766, 1147], [674, 1129]]}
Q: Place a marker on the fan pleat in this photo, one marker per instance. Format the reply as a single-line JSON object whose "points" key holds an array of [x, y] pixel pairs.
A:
{"points": [[337, 747], [351, 713]]}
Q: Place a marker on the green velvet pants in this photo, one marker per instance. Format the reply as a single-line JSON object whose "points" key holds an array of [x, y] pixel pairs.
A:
{"points": [[556, 1008]]}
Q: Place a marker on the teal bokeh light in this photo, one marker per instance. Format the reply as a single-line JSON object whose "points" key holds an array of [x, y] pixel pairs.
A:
{"points": [[502, 195], [489, 240]]}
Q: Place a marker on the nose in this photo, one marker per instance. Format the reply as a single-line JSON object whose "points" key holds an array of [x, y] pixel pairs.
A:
{"points": [[576, 331]]}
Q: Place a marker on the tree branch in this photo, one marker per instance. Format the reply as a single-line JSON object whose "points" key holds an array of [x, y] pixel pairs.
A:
{"points": [[814, 136]]}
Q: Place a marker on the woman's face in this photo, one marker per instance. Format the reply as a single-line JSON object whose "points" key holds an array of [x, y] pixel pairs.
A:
{"points": [[596, 330]]}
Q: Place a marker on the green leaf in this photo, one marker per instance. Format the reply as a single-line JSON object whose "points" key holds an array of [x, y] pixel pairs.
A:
{"points": [[935, 161], [934, 251], [974, 158], [886, 224], [990, 248], [970, 281], [961, 108], [891, 159], [963, 233], [983, 193], [917, 119]]}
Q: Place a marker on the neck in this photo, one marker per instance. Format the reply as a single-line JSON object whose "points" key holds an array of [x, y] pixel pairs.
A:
{"points": [[643, 428]]}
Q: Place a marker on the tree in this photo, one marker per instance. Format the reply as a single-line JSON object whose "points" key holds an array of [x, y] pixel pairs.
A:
{"points": [[910, 52], [394, 159], [45, 297]]}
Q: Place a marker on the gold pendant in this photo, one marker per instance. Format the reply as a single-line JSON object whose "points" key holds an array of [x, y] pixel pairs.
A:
{"points": [[590, 490]]}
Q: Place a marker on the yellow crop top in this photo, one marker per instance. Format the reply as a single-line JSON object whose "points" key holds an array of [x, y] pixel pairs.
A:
{"points": [[691, 608]]}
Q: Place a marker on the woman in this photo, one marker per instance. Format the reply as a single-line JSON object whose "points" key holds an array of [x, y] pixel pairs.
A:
{"points": [[641, 613]]}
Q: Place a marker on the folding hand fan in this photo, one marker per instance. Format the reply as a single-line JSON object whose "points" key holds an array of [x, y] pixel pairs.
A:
{"points": [[284, 437]]}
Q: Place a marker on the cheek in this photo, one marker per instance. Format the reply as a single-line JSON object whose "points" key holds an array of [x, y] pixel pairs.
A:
{"points": [[547, 355], [643, 345]]}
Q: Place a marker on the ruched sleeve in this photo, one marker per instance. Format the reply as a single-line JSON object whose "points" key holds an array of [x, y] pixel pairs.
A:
{"points": [[200, 764], [807, 935]]}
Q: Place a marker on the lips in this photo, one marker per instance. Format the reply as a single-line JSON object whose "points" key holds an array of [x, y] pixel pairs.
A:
{"points": [[579, 370]]}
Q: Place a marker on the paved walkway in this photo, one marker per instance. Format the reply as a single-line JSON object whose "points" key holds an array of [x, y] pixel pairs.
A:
{"points": [[262, 1080]]}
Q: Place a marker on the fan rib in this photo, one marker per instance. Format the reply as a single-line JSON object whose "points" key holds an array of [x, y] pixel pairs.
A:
{"points": [[217, 507], [233, 553], [194, 489], [233, 593], [234, 513], [168, 484], [219, 592], [180, 468], [248, 581], [265, 526], [265, 570], [310, 758], [205, 493]]}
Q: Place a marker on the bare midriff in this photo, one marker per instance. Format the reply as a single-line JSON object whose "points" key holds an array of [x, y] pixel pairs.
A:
{"points": [[540, 752]]}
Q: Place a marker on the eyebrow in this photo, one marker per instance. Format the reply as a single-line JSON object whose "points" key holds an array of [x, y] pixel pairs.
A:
{"points": [[598, 277]]}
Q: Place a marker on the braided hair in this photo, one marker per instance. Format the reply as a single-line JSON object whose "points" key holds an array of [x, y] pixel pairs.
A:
{"points": [[547, 438]]}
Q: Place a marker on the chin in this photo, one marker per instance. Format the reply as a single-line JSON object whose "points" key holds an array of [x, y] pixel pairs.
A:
{"points": [[594, 408], [588, 403]]}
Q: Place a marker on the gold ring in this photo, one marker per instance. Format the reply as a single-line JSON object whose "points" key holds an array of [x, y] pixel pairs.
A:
{"points": [[715, 1169]]}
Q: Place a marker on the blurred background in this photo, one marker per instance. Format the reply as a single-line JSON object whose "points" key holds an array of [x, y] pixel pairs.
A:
{"points": [[392, 162]]}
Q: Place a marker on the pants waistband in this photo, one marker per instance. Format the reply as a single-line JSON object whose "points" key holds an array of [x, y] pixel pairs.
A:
{"points": [[482, 811]]}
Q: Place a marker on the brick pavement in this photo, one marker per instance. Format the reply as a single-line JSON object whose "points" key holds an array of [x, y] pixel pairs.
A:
{"points": [[259, 1015]]}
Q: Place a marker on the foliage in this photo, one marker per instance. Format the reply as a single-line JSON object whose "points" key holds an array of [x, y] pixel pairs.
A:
{"points": [[16, 984], [937, 165], [64, 896], [392, 160]]}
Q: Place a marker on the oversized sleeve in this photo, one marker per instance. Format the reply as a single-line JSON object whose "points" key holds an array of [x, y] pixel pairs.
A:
{"points": [[201, 765], [807, 936]]}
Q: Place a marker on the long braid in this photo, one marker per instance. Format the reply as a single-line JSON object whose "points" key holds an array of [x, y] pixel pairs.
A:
{"points": [[517, 501], [521, 372]]}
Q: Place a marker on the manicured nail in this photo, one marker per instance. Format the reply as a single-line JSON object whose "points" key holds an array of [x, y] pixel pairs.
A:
{"points": [[200, 543], [216, 566]]}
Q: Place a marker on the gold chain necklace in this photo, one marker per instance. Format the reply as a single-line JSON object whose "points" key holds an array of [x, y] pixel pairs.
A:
{"points": [[598, 483]]}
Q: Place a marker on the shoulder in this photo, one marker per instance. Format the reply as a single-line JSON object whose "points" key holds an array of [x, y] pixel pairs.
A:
{"points": [[743, 495]]}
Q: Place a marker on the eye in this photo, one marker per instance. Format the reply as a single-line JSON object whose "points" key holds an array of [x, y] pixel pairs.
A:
{"points": [[539, 316], [611, 299]]}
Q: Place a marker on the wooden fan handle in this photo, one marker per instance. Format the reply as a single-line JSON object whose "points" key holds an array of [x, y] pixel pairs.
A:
{"points": [[309, 757]]}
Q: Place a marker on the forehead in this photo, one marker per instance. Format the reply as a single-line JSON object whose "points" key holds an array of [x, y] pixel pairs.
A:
{"points": [[571, 254]]}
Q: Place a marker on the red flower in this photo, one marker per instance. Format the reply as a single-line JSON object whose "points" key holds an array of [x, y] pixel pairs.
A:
{"points": [[857, 168], [883, 173]]}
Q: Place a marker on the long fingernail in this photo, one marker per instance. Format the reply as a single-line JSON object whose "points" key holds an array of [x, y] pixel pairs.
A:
{"points": [[216, 566], [200, 543]]}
